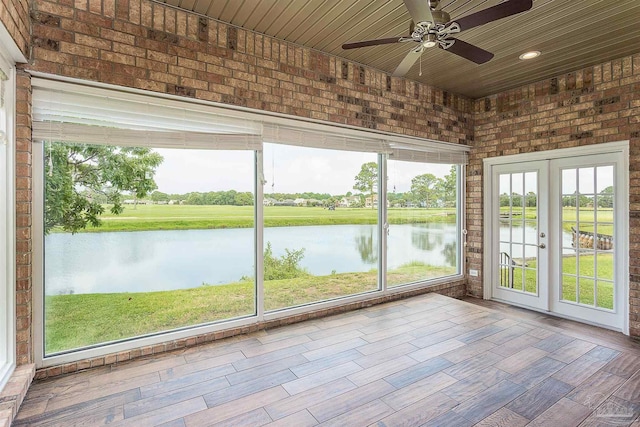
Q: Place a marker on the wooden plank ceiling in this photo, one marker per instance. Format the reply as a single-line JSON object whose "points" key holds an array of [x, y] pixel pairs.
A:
{"points": [[571, 34]]}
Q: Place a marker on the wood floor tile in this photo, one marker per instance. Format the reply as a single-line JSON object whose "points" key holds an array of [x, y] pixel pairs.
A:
{"points": [[484, 404], [252, 362], [467, 388], [503, 418], [201, 365], [164, 414], [362, 415], [570, 352], [418, 413], [553, 342], [521, 359], [413, 373], [538, 371], [630, 390], [235, 407], [257, 417], [299, 419], [385, 355], [579, 370], [427, 360], [513, 346], [390, 367], [613, 412], [238, 377], [405, 396], [325, 363], [329, 350], [174, 382], [435, 350], [337, 339], [540, 398], [595, 389], [347, 402], [468, 351], [565, 413], [624, 365], [507, 334], [469, 367], [298, 385], [235, 392], [315, 396], [171, 397], [450, 419]]}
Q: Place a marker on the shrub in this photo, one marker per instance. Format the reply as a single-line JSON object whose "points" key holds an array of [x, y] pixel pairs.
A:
{"points": [[286, 266]]}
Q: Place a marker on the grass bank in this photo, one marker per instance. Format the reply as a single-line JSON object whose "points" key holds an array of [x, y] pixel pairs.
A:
{"points": [[74, 321], [588, 288], [186, 217]]}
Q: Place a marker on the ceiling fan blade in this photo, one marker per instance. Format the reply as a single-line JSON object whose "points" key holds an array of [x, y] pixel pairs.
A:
{"points": [[407, 62], [469, 51], [419, 10], [371, 43], [493, 13]]}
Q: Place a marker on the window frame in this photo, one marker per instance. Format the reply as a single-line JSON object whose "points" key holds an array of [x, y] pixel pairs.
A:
{"points": [[421, 147], [7, 225]]}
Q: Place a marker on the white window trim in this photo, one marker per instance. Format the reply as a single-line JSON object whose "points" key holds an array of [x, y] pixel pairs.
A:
{"points": [[9, 55], [270, 122]]}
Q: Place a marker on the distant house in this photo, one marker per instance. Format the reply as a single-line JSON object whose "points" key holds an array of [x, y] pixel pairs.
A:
{"points": [[372, 201], [349, 201], [300, 202], [268, 201]]}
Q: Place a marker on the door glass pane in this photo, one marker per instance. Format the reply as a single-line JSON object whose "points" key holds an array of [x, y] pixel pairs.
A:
{"points": [[139, 241], [422, 242], [320, 217], [518, 231], [588, 218], [568, 182]]}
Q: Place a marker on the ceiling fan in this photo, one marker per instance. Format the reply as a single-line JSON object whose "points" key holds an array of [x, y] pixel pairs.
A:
{"points": [[431, 27]]}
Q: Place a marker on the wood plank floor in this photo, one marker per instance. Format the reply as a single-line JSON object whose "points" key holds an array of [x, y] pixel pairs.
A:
{"points": [[425, 361]]}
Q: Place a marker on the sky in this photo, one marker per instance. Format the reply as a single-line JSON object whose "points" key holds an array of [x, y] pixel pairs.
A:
{"points": [[287, 169], [588, 180]]}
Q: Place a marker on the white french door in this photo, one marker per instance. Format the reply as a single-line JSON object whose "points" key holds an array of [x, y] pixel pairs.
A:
{"points": [[557, 235], [520, 222]]}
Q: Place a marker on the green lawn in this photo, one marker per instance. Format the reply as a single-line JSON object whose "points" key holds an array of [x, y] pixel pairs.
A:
{"points": [[569, 218], [73, 321], [586, 283], [183, 217]]}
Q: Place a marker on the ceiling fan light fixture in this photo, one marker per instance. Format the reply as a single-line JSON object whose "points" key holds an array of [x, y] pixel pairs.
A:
{"points": [[529, 55], [430, 40]]}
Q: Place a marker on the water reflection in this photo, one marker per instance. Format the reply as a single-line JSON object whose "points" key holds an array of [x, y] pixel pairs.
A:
{"points": [[450, 251], [367, 246], [424, 239]]}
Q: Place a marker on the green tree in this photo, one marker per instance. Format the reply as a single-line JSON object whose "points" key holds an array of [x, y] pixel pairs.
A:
{"points": [[422, 186], [158, 196], [446, 188], [74, 172], [367, 179], [605, 198]]}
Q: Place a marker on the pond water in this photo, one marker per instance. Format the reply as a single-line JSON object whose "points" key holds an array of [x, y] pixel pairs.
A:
{"points": [[177, 259]]}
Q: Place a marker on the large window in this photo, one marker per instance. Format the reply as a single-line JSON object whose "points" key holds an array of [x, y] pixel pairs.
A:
{"points": [[173, 245], [423, 239], [321, 216], [160, 215]]}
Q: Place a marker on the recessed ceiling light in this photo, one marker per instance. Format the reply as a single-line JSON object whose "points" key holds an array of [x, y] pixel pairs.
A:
{"points": [[530, 55]]}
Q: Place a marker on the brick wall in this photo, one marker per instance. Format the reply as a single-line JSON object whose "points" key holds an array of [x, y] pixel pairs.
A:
{"points": [[145, 45], [14, 15], [24, 337], [590, 106]]}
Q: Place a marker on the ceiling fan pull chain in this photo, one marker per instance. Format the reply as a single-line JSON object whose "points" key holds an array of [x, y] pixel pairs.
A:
{"points": [[420, 74]]}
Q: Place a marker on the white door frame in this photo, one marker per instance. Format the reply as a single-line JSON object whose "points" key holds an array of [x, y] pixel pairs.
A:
{"points": [[611, 147]]}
